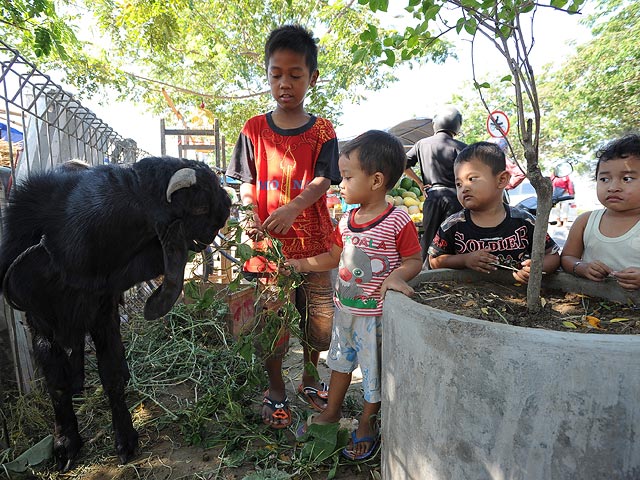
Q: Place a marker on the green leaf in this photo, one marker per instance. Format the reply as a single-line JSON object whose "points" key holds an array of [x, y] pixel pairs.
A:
{"points": [[359, 55], [43, 450], [390, 57], [323, 441], [268, 474], [506, 78], [471, 26], [569, 324], [505, 31], [244, 252]]}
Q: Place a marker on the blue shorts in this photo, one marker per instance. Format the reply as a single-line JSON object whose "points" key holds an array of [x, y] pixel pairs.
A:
{"points": [[357, 340]]}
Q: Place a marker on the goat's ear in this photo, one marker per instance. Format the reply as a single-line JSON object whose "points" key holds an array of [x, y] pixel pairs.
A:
{"points": [[174, 252]]}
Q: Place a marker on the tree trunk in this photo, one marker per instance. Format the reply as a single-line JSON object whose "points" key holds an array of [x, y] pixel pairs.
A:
{"points": [[544, 192]]}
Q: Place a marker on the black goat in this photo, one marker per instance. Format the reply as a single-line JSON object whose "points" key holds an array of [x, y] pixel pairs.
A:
{"points": [[74, 240]]}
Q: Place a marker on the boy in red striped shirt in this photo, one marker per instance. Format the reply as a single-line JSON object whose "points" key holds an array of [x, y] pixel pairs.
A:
{"points": [[375, 248]]}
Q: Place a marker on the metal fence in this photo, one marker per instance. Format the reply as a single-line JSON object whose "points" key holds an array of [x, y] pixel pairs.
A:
{"points": [[41, 126]]}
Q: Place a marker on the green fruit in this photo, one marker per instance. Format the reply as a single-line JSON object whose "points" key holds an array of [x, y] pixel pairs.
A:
{"points": [[406, 183], [400, 190], [416, 190], [394, 192]]}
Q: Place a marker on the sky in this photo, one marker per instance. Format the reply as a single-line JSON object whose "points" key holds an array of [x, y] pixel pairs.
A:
{"points": [[418, 93]]}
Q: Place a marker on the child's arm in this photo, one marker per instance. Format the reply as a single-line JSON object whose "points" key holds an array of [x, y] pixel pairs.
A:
{"points": [[573, 249], [320, 263], [480, 260], [253, 226], [550, 263], [398, 279], [281, 219]]}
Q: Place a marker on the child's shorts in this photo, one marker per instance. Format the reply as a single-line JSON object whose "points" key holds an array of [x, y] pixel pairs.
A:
{"points": [[357, 340], [314, 301]]}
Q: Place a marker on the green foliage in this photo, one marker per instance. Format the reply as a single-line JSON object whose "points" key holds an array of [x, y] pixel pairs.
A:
{"points": [[595, 95], [323, 441], [35, 27]]}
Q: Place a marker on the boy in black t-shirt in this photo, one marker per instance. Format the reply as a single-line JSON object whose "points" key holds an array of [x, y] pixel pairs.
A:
{"points": [[487, 233]]}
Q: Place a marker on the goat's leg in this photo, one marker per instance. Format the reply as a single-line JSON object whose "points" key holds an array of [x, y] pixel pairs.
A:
{"points": [[76, 360], [114, 374], [57, 370]]}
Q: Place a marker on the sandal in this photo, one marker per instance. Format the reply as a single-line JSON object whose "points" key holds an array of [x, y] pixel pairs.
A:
{"points": [[312, 394], [280, 412], [348, 454], [302, 428]]}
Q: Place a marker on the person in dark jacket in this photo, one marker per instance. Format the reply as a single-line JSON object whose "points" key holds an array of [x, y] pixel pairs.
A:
{"points": [[436, 155]]}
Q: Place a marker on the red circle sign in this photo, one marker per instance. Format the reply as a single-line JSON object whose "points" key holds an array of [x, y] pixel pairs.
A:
{"points": [[498, 124]]}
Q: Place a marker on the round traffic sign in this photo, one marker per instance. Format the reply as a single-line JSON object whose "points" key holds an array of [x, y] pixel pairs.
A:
{"points": [[498, 124]]}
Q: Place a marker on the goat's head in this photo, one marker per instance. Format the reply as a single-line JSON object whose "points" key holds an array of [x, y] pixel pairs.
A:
{"points": [[197, 207]]}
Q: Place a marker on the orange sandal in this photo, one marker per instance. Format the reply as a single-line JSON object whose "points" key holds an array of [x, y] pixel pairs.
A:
{"points": [[311, 395], [280, 412]]}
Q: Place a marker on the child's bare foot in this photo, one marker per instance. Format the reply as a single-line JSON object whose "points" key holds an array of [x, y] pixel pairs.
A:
{"points": [[275, 409], [317, 419]]}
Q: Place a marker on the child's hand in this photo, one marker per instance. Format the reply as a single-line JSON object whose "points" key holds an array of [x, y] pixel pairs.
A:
{"points": [[289, 265], [596, 270], [253, 227], [522, 275], [629, 278], [396, 284], [280, 220], [481, 261]]}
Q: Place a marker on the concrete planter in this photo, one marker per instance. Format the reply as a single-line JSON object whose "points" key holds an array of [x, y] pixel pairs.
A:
{"points": [[467, 399]]}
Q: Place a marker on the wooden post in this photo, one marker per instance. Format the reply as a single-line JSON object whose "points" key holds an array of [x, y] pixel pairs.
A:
{"points": [[163, 139], [216, 133]]}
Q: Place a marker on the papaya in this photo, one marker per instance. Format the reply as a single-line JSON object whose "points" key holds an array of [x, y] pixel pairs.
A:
{"points": [[406, 183], [411, 202]]}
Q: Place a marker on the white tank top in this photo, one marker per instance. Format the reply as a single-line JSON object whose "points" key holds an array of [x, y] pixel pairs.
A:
{"points": [[616, 252]]}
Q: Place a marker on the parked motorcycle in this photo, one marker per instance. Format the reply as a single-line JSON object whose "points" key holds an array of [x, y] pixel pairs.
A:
{"points": [[558, 196]]}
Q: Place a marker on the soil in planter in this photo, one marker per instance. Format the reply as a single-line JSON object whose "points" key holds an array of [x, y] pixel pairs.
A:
{"points": [[508, 304]]}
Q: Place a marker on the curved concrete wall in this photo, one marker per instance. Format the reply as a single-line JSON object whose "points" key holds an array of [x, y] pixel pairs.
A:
{"points": [[466, 399]]}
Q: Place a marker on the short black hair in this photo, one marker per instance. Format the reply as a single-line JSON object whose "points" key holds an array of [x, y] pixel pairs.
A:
{"points": [[295, 38], [488, 153], [379, 151], [626, 146]]}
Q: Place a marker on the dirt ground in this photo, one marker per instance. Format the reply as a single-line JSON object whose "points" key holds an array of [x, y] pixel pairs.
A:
{"points": [[507, 304]]}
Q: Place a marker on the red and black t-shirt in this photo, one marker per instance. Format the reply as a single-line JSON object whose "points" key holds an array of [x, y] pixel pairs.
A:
{"points": [[511, 241], [281, 163]]}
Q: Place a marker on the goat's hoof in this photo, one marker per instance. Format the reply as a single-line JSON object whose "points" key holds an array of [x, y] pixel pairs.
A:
{"points": [[126, 446], [65, 451]]}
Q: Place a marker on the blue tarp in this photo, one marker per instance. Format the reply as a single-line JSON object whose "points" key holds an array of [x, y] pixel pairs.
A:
{"points": [[16, 135]]}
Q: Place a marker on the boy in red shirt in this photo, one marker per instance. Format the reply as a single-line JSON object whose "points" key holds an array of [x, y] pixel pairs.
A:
{"points": [[286, 160]]}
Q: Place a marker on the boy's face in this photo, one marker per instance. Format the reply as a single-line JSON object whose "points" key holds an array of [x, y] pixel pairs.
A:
{"points": [[618, 184], [289, 78], [356, 184], [478, 188]]}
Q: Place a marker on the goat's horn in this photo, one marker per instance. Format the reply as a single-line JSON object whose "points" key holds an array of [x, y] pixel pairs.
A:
{"points": [[183, 178]]}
